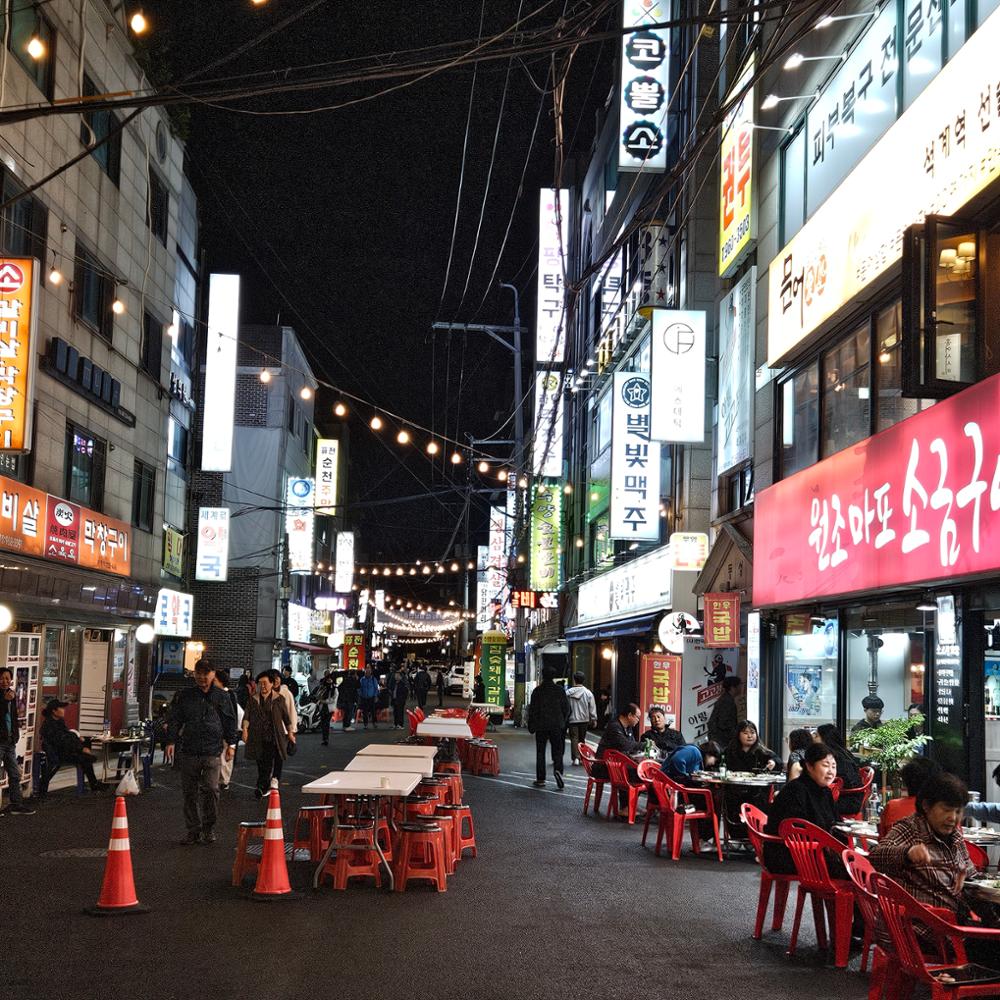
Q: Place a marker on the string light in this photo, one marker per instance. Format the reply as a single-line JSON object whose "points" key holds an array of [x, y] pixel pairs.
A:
{"points": [[376, 423], [265, 376], [470, 565], [484, 467], [579, 543], [454, 567], [456, 458], [138, 22], [35, 47], [426, 571], [118, 307], [403, 437], [568, 488], [523, 482], [55, 275], [340, 410], [305, 392], [502, 475], [432, 448]]}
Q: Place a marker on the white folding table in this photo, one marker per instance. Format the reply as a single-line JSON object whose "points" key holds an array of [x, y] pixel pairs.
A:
{"points": [[443, 729], [396, 784], [397, 750], [383, 765]]}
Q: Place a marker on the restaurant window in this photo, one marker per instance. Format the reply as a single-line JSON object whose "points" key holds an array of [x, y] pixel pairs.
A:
{"points": [[800, 420], [93, 293], [143, 495], [74, 641], [891, 405], [23, 223], [50, 662], [27, 22], [737, 489], [886, 656], [157, 207], [97, 126], [177, 443], [847, 392], [811, 657], [793, 185], [85, 462], [151, 345]]}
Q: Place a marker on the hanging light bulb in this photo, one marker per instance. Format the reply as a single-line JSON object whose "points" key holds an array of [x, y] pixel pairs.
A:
{"points": [[502, 475], [138, 22], [55, 275], [403, 437], [523, 482], [454, 567], [118, 307], [362, 571], [35, 47], [387, 572], [470, 565], [432, 448], [376, 423], [340, 409], [579, 543], [305, 392], [399, 571], [484, 467], [568, 488], [426, 570], [413, 571], [456, 458], [520, 558], [265, 376], [451, 603], [439, 568]]}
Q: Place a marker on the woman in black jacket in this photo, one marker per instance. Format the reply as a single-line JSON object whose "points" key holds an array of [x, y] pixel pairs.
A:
{"points": [[746, 752], [847, 769], [808, 797], [63, 746]]}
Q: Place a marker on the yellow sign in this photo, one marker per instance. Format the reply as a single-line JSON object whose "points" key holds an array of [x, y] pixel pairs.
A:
{"points": [[173, 552], [18, 294], [736, 222]]}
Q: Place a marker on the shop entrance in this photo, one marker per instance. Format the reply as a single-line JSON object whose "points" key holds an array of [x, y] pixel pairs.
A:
{"points": [[991, 700]]}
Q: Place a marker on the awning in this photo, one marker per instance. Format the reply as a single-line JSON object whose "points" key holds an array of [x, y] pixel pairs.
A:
{"points": [[637, 625], [308, 647]]}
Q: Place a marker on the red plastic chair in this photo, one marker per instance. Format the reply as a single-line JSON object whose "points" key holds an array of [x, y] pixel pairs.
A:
{"points": [[419, 713], [807, 844], [755, 820], [978, 856], [595, 785], [478, 721], [623, 777], [650, 771], [900, 913], [682, 796], [865, 789], [884, 976]]}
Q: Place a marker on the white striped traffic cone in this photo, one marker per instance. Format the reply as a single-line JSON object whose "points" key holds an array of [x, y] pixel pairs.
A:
{"points": [[272, 876]]}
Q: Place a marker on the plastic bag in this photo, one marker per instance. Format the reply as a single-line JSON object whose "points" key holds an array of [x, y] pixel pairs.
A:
{"points": [[128, 785]]}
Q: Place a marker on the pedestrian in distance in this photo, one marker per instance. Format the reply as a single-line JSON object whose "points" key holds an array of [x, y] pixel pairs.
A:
{"points": [[203, 720], [243, 687], [548, 717], [226, 760], [10, 733], [288, 681], [582, 715], [369, 698], [347, 697], [326, 694], [400, 692], [286, 693], [439, 684], [422, 685], [725, 715], [267, 732], [63, 746], [479, 690]]}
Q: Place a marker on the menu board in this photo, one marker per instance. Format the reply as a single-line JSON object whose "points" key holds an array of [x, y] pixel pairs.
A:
{"points": [[947, 712]]}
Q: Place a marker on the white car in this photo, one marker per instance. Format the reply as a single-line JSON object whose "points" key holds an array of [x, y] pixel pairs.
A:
{"points": [[454, 680]]}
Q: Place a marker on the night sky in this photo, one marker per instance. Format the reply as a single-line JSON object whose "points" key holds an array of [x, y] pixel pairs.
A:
{"points": [[340, 221]]}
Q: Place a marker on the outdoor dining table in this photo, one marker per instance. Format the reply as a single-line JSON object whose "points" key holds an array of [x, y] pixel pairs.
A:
{"points": [[718, 783], [123, 744], [397, 750], [388, 784], [418, 765], [445, 729]]}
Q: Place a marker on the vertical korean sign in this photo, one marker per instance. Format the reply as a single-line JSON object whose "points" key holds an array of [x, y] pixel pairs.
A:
{"points": [[482, 593], [550, 331], [660, 685], [354, 651], [18, 322], [736, 210], [212, 563], [326, 475], [753, 667], [736, 373], [343, 578], [678, 376], [547, 447], [300, 524], [220, 372], [492, 664], [635, 461], [722, 621], [645, 77], [546, 535]]}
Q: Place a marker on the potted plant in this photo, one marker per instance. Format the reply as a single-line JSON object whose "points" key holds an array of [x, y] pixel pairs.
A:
{"points": [[890, 746]]}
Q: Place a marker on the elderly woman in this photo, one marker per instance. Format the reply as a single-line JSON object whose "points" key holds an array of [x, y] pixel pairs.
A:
{"points": [[267, 731], [847, 769]]}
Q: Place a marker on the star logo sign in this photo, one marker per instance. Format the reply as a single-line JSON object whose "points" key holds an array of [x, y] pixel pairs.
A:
{"points": [[635, 393]]}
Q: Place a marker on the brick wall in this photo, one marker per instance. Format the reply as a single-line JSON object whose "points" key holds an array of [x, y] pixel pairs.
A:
{"points": [[225, 617]]}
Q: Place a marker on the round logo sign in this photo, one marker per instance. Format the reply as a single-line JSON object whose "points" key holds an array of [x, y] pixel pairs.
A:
{"points": [[63, 514], [674, 627], [635, 392], [11, 278], [301, 488], [679, 338]]}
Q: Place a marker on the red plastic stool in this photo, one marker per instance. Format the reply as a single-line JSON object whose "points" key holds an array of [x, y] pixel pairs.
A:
{"points": [[414, 806], [357, 859], [314, 819], [447, 824], [488, 759], [448, 767], [420, 854], [437, 787], [383, 832], [452, 816], [454, 789], [246, 863], [466, 829]]}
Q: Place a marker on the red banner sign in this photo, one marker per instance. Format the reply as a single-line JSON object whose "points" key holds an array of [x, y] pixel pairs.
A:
{"points": [[354, 651], [917, 503], [722, 621], [660, 686]]}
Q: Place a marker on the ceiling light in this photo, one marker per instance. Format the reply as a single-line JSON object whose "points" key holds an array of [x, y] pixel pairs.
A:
{"points": [[796, 59], [927, 604], [35, 47], [376, 423], [265, 376], [340, 410]]}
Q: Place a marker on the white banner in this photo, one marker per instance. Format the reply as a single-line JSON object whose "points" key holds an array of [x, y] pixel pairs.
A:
{"points": [[299, 623], [640, 585], [174, 611], [344, 576], [326, 475], [550, 319], [547, 446], [635, 461], [220, 372], [300, 524], [678, 376], [645, 77], [736, 373], [212, 563], [482, 593]]}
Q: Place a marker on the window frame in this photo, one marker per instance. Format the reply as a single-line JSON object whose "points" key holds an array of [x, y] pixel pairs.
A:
{"points": [[95, 500], [36, 237], [157, 219], [151, 332], [89, 136], [178, 464], [86, 261], [45, 30], [143, 493]]}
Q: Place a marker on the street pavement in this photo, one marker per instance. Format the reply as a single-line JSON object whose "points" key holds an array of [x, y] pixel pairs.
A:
{"points": [[557, 905]]}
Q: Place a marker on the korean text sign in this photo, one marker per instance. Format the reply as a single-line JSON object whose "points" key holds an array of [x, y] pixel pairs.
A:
{"points": [[660, 685], [18, 322], [916, 503], [635, 461], [678, 375], [550, 317], [546, 538], [212, 561], [300, 523], [492, 665], [354, 651], [547, 446], [326, 475], [645, 77], [722, 621], [736, 187]]}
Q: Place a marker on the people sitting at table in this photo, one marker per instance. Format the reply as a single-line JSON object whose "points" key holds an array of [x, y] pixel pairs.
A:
{"points": [[63, 746], [665, 739], [847, 770], [711, 755], [619, 734], [682, 764], [807, 797], [798, 743], [746, 752], [914, 774], [926, 854]]}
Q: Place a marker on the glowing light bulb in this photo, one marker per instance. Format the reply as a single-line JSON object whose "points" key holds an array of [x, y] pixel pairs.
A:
{"points": [[118, 307], [456, 458], [432, 448], [403, 437], [35, 47], [484, 467], [568, 488], [138, 22], [55, 276], [502, 475], [376, 423], [340, 410], [305, 392], [265, 376]]}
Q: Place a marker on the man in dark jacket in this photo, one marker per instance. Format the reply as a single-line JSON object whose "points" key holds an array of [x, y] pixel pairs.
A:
{"points": [[63, 746], [421, 685], [400, 692], [665, 739], [439, 684], [10, 733], [203, 719], [548, 717], [619, 734], [347, 697], [725, 715]]}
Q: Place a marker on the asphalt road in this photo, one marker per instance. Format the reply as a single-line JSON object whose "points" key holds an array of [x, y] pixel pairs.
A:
{"points": [[555, 906]]}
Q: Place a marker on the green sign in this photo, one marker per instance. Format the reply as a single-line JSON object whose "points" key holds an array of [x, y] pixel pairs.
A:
{"points": [[492, 666], [546, 538]]}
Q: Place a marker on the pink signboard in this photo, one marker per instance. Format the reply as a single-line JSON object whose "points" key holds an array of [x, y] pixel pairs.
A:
{"points": [[917, 503]]}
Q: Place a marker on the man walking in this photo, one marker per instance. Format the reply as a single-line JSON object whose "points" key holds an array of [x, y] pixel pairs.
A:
{"points": [[582, 714], [548, 716], [10, 733], [400, 692], [202, 718], [369, 697], [347, 697], [325, 695], [421, 685]]}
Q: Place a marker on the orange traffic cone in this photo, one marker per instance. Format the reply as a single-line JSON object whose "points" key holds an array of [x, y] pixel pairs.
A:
{"points": [[272, 876], [118, 889]]}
